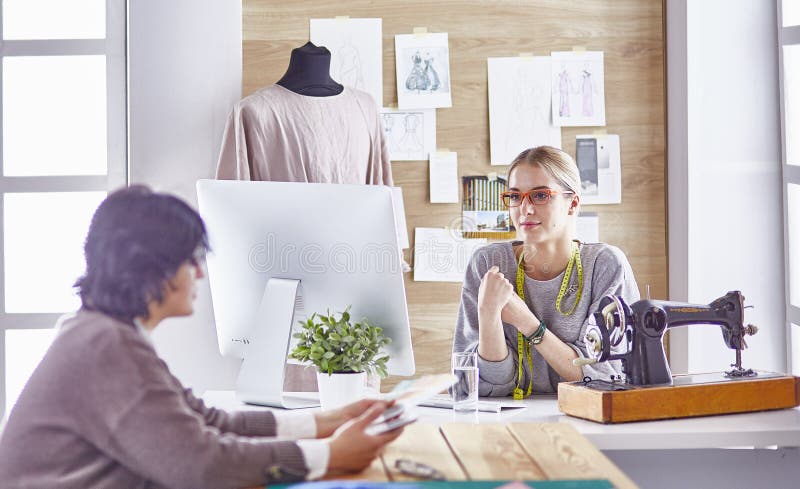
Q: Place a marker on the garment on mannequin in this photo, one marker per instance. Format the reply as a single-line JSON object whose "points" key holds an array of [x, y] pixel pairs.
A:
{"points": [[306, 127], [309, 72]]}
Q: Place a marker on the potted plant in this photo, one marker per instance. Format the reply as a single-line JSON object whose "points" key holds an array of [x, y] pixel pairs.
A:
{"points": [[344, 353]]}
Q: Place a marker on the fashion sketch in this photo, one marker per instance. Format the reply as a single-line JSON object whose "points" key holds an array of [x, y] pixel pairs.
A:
{"points": [[423, 74], [564, 85], [350, 70], [578, 88], [519, 106], [430, 72], [417, 79], [401, 133], [423, 71], [405, 134], [587, 92], [356, 52]]}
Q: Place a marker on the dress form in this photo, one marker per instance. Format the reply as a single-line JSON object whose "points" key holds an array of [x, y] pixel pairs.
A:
{"points": [[309, 72]]}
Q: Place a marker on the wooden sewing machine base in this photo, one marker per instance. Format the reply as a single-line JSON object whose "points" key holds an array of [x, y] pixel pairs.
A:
{"points": [[678, 401]]}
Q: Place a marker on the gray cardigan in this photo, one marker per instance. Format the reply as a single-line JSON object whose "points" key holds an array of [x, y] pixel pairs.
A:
{"points": [[605, 271], [103, 410]]}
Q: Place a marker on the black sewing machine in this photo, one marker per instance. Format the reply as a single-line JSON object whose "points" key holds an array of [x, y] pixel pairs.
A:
{"points": [[641, 327], [647, 389]]}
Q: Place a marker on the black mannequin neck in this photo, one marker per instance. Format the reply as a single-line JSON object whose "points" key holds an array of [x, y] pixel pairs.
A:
{"points": [[309, 72]]}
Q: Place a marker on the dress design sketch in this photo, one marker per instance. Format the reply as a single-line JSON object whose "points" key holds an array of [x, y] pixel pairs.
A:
{"points": [[563, 93], [586, 91], [411, 142], [433, 77], [417, 80], [423, 77], [350, 70]]}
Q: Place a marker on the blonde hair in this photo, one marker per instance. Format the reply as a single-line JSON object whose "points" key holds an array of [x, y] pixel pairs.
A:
{"points": [[555, 162]]}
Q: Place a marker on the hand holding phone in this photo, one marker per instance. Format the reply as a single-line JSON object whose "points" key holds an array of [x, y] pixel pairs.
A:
{"points": [[388, 424]]}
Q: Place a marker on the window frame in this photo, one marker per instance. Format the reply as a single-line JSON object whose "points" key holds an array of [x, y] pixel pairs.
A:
{"points": [[113, 47], [790, 175]]}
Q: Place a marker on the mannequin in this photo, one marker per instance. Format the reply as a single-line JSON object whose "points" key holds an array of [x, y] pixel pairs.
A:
{"points": [[309, 72]]}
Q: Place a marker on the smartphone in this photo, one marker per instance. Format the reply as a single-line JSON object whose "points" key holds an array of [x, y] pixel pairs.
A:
{"points": [[392, 424], [391, 412]]}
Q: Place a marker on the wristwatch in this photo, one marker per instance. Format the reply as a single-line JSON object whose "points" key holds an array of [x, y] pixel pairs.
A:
{"points": [[536, 337]]}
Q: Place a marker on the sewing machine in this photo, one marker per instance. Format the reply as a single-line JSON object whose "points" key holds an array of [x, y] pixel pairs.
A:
{"points": [[642, 326], [634, 335]]}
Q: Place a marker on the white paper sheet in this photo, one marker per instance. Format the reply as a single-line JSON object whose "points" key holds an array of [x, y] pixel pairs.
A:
{"points": [[442, 255], [400, 217], [356, 47], [600, 167], [423, 70], [520, 115], [409, 134], [578, 88], [444, 177], [587, 227]]}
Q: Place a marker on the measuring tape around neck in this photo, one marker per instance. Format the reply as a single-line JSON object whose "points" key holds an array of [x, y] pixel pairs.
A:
{"points": [[523, 347]]}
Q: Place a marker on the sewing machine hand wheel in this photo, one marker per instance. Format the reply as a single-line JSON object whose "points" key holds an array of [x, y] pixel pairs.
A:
{"points": [[608, 329]]}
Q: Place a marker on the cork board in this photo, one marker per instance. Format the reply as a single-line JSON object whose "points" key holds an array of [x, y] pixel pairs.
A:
{"points": [[629, 32]]}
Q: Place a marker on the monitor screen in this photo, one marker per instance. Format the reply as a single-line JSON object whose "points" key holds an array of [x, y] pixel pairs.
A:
{"points": [[339, 241]]}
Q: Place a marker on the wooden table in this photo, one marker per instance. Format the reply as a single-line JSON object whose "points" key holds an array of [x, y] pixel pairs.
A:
{"points": [[514, 451]]}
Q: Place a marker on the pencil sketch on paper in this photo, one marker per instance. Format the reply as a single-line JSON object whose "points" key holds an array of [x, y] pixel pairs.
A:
{"points": [[409, 135], [348, 70], [423, 74], [423, 71], [356, 52], [519, 107], [578, 89]]}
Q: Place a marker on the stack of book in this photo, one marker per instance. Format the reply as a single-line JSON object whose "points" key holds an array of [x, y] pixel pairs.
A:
{"points": [[483, 214]]}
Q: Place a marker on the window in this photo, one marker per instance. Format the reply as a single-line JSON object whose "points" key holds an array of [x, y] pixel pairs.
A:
{"points": [[789, 56], [791, 13], [62, 133]]}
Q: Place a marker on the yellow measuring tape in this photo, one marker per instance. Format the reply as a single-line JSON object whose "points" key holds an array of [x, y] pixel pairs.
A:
{"points": [[524, 347]]}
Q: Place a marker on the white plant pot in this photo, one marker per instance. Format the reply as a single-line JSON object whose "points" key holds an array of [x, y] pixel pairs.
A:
{"points": [[337, 390]]}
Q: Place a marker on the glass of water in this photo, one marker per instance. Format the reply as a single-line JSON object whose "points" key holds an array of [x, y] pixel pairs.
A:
{"points": [[465, 390]]}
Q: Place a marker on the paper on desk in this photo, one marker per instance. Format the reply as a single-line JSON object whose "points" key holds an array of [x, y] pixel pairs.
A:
{"points": [[444, 177], [414, 391], [442, 255]]}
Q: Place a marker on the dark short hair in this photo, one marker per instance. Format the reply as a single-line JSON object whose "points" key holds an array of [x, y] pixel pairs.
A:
{"points": [[137, 240]]}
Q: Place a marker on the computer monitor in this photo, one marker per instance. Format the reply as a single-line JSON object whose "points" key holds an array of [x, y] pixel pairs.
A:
{"points": [[281, 251]]}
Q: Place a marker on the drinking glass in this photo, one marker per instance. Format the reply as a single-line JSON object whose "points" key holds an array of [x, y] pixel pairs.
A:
{"points": [[465, 390]]}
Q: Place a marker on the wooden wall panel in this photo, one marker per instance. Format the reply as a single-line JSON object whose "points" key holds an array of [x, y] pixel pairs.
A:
{"points": [[630, 32]]}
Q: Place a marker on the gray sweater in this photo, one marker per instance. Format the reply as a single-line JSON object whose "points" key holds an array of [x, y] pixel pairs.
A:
{"points": [[103, 411], [605, 271]]}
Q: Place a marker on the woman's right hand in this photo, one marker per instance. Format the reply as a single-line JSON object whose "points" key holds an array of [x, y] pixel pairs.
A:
{"points": [[494, 292], [352, 449]]}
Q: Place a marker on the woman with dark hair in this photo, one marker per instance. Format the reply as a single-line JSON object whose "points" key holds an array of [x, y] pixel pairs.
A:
{"points": [[103, 410]]}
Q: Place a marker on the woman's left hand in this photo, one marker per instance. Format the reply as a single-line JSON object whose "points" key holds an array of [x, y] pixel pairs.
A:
{"points": [[329, 421]]}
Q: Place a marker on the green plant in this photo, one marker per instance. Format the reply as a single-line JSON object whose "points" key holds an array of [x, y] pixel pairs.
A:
{"points": [[336, 345]]}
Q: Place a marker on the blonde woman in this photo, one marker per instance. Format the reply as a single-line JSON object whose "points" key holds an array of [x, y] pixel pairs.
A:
{"points": [[525, 304]]}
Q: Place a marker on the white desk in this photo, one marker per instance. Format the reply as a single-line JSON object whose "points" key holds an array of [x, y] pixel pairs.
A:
{"points": [[754, 430], [693, 452]]}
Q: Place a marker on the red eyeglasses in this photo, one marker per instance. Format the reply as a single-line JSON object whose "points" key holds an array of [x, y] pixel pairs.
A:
{"points": [[539, 196]]}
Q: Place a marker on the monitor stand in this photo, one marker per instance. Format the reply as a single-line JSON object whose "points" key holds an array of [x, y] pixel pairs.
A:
{"points": [[261, 375]]}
